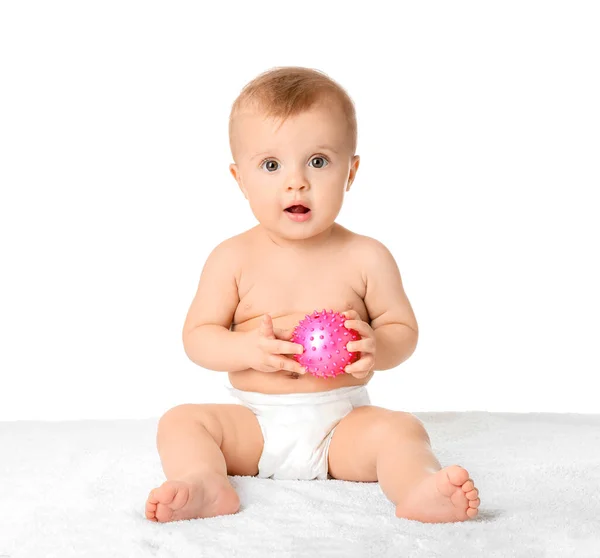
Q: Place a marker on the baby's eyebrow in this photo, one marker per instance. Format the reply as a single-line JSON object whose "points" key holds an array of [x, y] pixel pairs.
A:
{"points": [[271, 150], [327, 147]]}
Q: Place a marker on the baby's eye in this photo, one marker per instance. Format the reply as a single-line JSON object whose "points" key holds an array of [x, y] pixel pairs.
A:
{"points": [[318, 157], [269, 161], [323, 164]]}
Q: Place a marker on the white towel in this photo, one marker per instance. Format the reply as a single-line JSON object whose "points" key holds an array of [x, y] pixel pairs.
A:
{"points": [[77, 489]]}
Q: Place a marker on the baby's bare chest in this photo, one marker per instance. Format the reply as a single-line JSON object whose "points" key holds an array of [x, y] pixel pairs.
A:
{"points": [[293, 286]]}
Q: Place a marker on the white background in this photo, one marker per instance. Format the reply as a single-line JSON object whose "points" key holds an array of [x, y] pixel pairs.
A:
{"points": [[479, 139]]}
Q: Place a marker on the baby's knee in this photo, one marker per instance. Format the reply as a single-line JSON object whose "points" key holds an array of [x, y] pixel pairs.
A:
{"points": [[175, 414], [188, 413], [406, 425]]}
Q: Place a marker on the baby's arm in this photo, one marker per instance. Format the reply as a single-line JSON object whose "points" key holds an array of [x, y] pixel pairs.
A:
{"points": [[392, 316], [207, 340]]}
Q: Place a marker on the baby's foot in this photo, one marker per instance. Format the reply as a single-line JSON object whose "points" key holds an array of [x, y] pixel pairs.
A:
{"points": [[445, 496], [207, 496]]}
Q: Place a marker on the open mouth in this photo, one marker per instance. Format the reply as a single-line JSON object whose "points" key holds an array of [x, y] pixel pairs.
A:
{"points": [[297, 209]]}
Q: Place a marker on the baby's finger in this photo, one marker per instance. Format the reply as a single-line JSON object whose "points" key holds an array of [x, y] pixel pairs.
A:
{"points": [[283, 363], [361, 375], [361, 346], [356, 371], [286, 348], [266, 327], [362, 366], [281, 333], [351, 315], [358, 325]]}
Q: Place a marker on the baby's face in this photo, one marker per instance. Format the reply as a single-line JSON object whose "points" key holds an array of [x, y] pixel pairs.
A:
{"points": [[306, 160]]}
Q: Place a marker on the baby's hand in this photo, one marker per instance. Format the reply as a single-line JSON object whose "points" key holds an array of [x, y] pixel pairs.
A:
{"points": [[267, 350], [366, 346]]}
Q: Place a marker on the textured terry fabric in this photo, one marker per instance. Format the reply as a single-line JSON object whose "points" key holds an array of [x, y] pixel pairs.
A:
{"points": [[77, 489]]}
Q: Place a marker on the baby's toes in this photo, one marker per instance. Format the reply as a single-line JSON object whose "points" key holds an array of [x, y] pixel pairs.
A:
{"points": [[458, 475], [472, 499], [468, 486], [151, 511], [472, 494], [163, 500], [164, 494], [472, 512], [152, 505]]}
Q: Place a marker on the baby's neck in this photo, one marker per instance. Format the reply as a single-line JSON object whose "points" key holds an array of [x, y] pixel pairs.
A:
{"points": [[313, 244]]}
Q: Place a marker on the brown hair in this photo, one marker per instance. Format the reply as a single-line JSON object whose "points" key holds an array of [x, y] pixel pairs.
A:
{"points": [[286, 91]]}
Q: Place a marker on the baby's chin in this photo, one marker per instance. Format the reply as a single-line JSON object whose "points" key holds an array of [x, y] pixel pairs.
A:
{"points": [[302, 231]]}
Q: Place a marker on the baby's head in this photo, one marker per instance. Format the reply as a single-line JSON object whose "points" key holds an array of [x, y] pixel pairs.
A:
{"points": [[293, 135]]}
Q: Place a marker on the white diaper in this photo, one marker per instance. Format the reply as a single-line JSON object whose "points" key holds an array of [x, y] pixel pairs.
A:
{"points": [[297, 428]]}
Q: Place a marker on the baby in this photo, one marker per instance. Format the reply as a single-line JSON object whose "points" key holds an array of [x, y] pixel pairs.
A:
{"points": [[293, 137]]}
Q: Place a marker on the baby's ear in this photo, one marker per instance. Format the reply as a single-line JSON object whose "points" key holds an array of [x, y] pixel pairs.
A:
{"points": [[233, 169]]}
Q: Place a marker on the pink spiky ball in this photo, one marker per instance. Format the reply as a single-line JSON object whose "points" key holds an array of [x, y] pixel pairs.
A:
{"points": [[324, 338]]}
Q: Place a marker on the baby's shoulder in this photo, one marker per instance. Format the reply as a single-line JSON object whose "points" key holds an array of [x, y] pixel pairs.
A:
{"points": [[235, 243], [370, 255], [366, 246], [236, 252], [226, 255]]}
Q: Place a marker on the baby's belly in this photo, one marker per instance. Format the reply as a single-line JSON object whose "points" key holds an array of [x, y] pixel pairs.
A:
{"points": [[286, 382], [283, 381]]}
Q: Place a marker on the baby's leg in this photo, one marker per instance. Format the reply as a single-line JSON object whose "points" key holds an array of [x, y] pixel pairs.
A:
{"points": [[198, 446], [395, 450]]}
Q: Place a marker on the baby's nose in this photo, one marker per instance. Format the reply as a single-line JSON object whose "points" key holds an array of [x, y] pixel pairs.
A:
{"points": [[297, 184]]}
